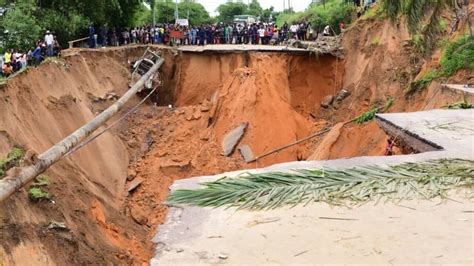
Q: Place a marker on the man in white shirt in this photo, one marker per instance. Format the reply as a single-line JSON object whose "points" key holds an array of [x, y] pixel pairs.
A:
{"points": [[49, 40], [326, 31]]}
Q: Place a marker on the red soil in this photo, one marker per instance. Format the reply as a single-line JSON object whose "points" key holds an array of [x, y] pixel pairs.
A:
{"points": [[279, 96]]}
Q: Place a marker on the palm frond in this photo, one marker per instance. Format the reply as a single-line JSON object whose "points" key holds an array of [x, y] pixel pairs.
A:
{"points": [[353, 185]]}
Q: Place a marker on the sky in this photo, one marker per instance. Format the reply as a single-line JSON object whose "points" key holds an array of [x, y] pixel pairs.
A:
{"points": [[298, 5]]}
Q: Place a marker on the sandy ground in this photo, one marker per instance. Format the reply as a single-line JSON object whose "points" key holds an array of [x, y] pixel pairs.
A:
{"points": [[405, 233]]}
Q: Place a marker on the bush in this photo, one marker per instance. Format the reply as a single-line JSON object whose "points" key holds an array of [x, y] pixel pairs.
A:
{"points": [[458, 55], [332, 13], [38, 194]]}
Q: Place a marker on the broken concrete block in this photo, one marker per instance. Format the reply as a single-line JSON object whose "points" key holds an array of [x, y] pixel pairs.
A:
{"points": [[139, 216], [232, 139], [327, 101], [134, 184], [342, 95], [246, 153]]}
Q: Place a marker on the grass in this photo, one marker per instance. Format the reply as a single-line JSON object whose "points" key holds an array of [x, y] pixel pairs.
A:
{"points": [[376, 40], [370, 115], [350, 186], [38, 194], [464, 104], [457, 55], [41, 180], [13, 157], [373, 13]]}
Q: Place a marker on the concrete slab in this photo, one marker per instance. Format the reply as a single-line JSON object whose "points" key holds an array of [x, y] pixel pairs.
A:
{"points": [[232, 138], [415, 232], [462, 89], [226, 48]]}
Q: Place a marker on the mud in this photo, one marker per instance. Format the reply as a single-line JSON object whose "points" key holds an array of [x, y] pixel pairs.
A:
{"points": [[278, 95]]}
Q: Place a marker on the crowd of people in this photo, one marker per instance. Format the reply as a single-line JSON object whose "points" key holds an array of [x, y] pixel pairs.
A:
{"points": [[15, 60], [236, 33], [168, 34]]}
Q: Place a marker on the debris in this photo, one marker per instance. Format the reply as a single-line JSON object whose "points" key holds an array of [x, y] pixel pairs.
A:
{"points": [[246, 153], [223, 256], [232, 139], [327, 101], [53, 225], [139, 216], [210, 237], [172, 167], [336, 218], [134, 184], [301, 253], [179, 250], [264, 221], [411, 208], [131, 174], [347, 238], [342, 95]]}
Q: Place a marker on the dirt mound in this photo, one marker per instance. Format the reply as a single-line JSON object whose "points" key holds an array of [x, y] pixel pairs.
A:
{"points": [[39, 108]]}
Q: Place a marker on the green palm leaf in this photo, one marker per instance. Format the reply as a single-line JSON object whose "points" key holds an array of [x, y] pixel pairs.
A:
{"points": [[353, 185]]}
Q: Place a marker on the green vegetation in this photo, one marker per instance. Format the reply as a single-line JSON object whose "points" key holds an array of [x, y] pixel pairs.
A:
{"points": [[374, 12], [27, 20], [461, 105], [38, 194], [376, 40], [423, 18], [165, 12], [41, 180], [367, 116], [13, 158], [331, 13], [228, 10], [355, 185], [457, 55], [370, 115], [423, 82]]}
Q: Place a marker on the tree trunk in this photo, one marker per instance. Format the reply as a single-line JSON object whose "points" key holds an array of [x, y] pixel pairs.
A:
{"points": [[10, 184]]}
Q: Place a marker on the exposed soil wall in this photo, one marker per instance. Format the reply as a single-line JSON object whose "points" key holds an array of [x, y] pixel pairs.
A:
{"points": [[39, 108]]}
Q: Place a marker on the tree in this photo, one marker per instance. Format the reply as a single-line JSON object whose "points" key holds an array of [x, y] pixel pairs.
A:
{"points": [[228, 10], [22, 27], [423, 18], [254, 8], [195, 12]]}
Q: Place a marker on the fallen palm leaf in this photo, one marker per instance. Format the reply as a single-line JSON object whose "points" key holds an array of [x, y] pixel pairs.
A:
{"points": [[355, 185]]}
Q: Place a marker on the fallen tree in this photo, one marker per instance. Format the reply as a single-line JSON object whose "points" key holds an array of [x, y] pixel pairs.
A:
{"points": [[10, 184]]}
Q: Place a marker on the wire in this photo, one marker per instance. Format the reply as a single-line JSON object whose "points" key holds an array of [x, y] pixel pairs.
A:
{"points": [[84, 143]]}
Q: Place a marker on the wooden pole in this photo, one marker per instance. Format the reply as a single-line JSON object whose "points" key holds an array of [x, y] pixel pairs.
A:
{"points": [[10, 184]]}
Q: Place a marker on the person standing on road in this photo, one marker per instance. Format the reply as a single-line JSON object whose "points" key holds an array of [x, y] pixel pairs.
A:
{"points": [[49, 40], [91, 36]]}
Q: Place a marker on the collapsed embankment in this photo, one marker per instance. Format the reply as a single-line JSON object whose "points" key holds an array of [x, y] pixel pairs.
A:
{"points": [[278, 95], [39, 108]]}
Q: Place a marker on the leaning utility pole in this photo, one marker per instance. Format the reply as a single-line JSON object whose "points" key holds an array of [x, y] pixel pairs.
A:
{"points": [[10, 184], [176, 12]]}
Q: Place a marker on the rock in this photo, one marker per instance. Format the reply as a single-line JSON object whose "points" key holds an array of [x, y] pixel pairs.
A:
{"points": [[204, 136], [342, 95], [131, 174], [134, 184], [327, 101], [246, 153], [139, 216], [223, 256], [170, 167], [232, 139], [58, 226], [205, 108], [197, 115]]}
